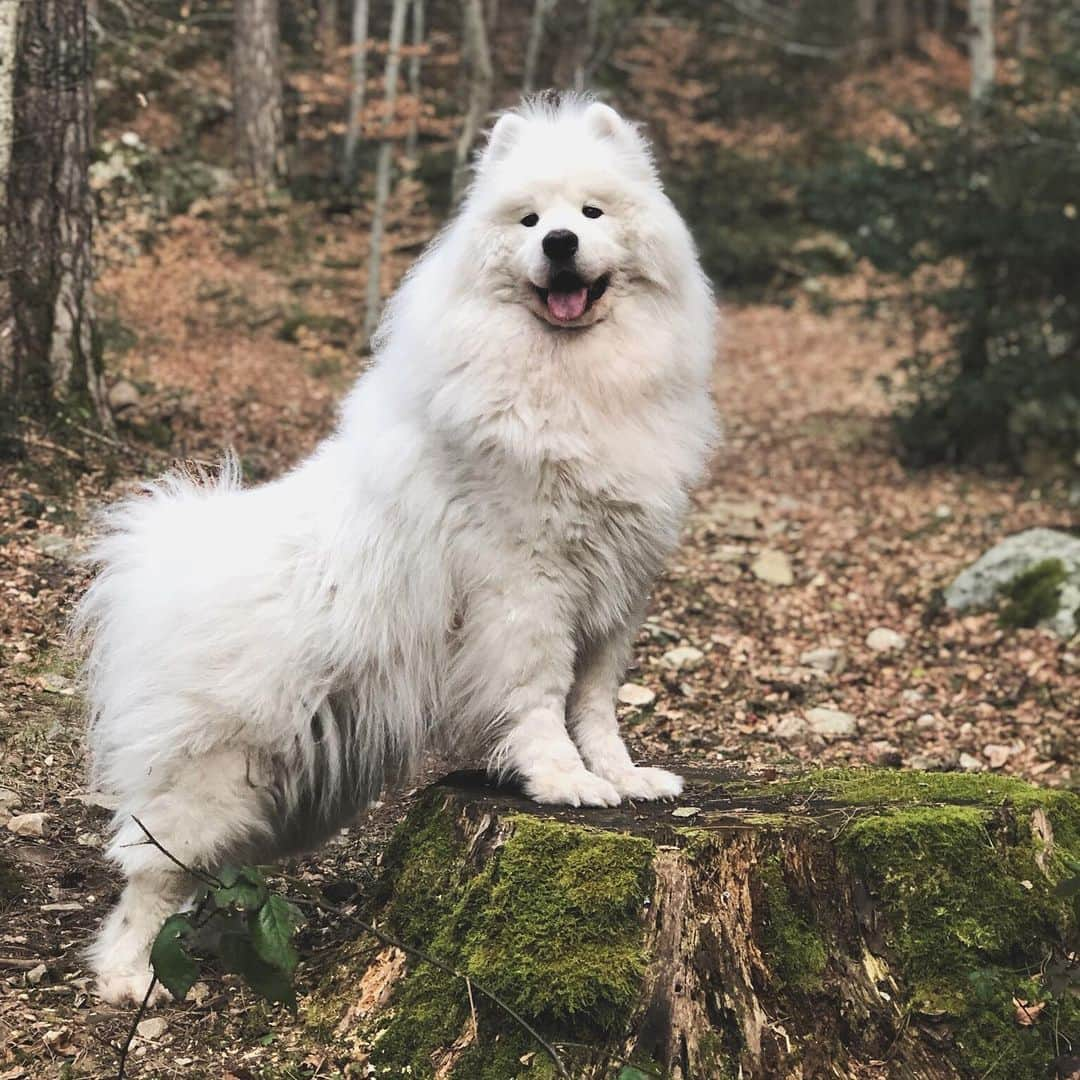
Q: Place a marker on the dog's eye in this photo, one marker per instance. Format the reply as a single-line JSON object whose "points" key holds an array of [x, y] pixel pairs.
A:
{"points": [[529, 220], [592, 211]]}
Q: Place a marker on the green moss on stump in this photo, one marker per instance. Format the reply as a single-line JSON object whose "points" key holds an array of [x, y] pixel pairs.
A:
{"points": [[551, 922], [795, 947], [1033, 595]]}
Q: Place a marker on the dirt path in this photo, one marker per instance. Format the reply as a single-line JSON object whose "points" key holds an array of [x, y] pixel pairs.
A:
{"points": [[805, 493]]}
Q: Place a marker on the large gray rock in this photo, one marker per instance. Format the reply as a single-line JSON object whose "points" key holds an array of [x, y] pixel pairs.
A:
{"points": [[980, 585]]}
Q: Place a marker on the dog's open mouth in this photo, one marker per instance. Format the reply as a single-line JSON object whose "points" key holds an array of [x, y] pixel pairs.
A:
{"points": [[568, 296]]}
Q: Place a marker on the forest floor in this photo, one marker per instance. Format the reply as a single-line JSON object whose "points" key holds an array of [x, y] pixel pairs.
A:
{"points": [[238, 328]]}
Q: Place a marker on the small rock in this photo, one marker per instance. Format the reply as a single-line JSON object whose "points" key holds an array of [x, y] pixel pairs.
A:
{"points": [[925, 763], [911, 696], [8, 799], [99, 799], [971, 764], [123, 395], [36, 974], [926, 722], [883, 640], [823, 659], [832, 723], [59, 547], [88, 840], [886, 755], [686, 811], [790, 729], [53, 682], [997, 754], [28, 824], [773, 567], [684, 658], [152, 1028], [635, 694]]}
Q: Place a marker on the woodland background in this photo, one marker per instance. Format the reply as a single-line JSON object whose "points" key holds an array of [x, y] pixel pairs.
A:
{"points": [[202, 207]]}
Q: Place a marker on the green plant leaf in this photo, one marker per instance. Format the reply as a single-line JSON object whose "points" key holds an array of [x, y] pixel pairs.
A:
{"points": [[272, 930], [239, 956], [243, 888], [173, 965], [628, 1072]]}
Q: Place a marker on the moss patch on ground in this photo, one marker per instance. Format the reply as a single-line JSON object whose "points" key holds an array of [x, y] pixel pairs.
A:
{"points": [[550, 922]]}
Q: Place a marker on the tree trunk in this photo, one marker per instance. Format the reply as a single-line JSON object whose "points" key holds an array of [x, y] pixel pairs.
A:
{"points": [[350, 153], [898, 26], [257, 91], [849, 924], [49, 358], [481, 81], [982, 52], [328, 27], [383, 168], [941, 17], [541, 10], [418, 34], [866, 41], [583, 70]]}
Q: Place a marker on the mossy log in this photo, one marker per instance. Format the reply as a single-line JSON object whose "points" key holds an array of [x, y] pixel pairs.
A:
{"points": [[832, 924]]}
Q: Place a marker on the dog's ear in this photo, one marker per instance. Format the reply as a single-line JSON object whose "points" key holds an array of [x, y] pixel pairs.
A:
{"points": [[605, 122], [504, 134]]}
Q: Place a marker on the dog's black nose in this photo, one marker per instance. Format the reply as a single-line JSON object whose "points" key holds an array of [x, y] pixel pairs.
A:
{"points": [[560, 244]]}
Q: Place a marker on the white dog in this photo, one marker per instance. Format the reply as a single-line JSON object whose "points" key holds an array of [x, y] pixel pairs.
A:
{"points": [[467, 557]]}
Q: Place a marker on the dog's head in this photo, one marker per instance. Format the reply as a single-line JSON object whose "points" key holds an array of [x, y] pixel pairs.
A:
{"points": [[567, 216]]}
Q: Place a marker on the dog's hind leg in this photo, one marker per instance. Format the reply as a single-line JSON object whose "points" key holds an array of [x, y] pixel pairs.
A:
{"points": [[210, 813]]}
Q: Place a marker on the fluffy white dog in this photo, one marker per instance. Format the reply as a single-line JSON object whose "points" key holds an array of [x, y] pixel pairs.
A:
{"points": [[467, 557]]}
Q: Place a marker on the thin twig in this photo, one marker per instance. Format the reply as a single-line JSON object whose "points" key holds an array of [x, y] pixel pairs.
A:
{"points": [[412, 950], [199, 875], [133, 1030]]}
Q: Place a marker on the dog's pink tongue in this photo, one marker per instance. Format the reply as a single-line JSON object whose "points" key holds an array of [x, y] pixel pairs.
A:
{"points": [[568, 306]]}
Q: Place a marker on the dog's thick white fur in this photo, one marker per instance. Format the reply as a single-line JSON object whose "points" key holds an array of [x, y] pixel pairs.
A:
{"points": [[467, 557]]}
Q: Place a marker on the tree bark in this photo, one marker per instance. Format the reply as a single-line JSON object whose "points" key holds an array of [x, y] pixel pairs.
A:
{"points": [[257, 91], [383, 168], [49, 358], [477, 56], [828, 924], [541, 10], [866, 42], [899, 26], [982, 52], [328, 27], [418, 35], [357, 93]]}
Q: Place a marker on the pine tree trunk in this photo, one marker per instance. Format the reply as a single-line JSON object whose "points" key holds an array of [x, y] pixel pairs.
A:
{"points": [[358, 90], [982, 52], [257, 91], [383, 168], [481, 82], [49, 359], [418, 34], [864, 924]]}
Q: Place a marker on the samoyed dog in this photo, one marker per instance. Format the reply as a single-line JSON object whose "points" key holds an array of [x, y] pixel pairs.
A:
{"points": [[467, 558]]}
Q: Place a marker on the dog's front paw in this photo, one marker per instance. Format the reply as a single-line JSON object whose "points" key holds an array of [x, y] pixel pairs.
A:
{"points": [[638, 782], [129, 987], [570, 787]]}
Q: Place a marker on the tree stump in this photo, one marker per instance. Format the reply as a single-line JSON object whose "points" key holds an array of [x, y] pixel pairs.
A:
{"points": [[830, 924]]}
